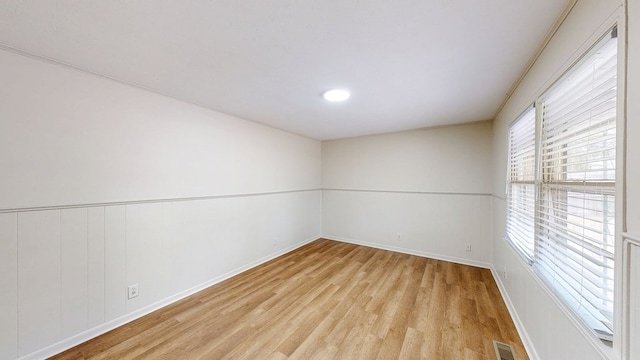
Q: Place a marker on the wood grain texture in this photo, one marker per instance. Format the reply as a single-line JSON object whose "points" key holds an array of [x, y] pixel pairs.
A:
{"points": [[325, 300]]}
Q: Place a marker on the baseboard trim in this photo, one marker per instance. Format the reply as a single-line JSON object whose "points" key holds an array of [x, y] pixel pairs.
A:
{"points": [[522, 332], [110, 325], [402, 250]]}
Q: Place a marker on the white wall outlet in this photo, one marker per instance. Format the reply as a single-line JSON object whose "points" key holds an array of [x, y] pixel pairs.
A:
{"points": [[132, 291], [504, 273], [468, 248], [275, 241], [399, 237]]}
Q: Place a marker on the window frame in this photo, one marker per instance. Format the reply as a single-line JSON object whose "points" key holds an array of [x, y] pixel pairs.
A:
{"points": [[541, 182]]}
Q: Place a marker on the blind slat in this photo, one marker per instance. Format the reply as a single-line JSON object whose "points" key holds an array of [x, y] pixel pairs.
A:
{"points": [[576, 222], [561, 207], [521, 204]]}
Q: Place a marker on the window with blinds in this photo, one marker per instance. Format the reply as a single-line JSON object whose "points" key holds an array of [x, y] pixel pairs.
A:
{"points": [[561, 193], [575, 241], [521, 183]]}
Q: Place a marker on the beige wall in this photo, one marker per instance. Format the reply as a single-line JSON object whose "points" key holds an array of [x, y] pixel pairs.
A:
{"points": [[431, 186], [632, 241], [71, 138], [633, 120], [444, 159]]}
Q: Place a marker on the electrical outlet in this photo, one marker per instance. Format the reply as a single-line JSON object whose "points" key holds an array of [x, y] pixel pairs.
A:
{"points": [[132, 291], [468, 248], [275, 241], [399, 237], [504, 273]]}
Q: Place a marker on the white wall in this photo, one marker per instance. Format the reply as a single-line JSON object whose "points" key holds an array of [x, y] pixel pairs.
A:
{"points": [[633, 120], [548, 331], [105, 185], [431, 185], [633, 179]]}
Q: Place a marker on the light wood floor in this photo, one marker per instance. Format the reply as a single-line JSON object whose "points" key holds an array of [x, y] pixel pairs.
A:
{"points": [[326, 300]]}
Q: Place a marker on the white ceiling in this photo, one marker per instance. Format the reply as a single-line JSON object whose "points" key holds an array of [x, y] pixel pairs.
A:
{"points": [[409, 64]]}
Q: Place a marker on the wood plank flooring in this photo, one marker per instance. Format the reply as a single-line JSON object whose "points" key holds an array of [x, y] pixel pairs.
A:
{"points": [[326, 300]]}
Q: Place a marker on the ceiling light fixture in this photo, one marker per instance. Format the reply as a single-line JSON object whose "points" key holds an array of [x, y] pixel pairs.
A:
{"points": [[335, 95]]}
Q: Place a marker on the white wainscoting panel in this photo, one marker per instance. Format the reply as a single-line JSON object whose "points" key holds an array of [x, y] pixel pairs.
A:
{"points": [[115, 255], [64, 272], [8, 285], [154, 265], [73, 275], [437, 225], [631, 296], [38, 279], [132, 244], [95, 266]]}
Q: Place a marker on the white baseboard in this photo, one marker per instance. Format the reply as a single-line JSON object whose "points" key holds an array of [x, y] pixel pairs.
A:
{"points": [[402, 250], [522, 332], [89, 334]]}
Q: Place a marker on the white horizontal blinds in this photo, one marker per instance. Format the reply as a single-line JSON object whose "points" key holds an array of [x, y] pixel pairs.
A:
{"points": [[521, 183], [576, 214]]}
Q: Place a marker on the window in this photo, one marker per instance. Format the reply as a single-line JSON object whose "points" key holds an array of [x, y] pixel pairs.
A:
{"points": [[561, 193], [521, 183]]}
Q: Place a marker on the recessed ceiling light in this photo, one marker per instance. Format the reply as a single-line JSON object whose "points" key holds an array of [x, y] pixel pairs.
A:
{"points": [[336, 95]]}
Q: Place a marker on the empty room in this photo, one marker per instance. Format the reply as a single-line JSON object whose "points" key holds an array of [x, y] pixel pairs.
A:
{"points": [[279, 179]]}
